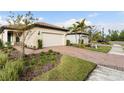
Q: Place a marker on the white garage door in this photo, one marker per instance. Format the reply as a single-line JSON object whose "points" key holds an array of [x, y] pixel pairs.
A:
{"points": [[52, 40]]}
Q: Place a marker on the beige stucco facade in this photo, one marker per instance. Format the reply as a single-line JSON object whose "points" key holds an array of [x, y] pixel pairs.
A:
{"points": [[54, 37], [74, 38], [4, 36]]}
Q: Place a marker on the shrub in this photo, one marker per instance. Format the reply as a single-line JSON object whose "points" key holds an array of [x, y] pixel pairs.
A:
{"points": [[46, 57], [1, 44], [34, 47], [33, 61], [3, 59], [8, 44], [81, 41], [53, 63], [68, 43], [50, 51], [40, 45], [81, 45], [88, 45], [12, 70]]}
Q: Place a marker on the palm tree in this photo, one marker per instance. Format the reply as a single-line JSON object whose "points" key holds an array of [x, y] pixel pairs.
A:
{"points": [[74, 29], [82, 27], [94, 35]]}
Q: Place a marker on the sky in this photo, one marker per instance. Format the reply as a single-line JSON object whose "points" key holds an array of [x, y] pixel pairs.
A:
{"points": [[108, 20]]}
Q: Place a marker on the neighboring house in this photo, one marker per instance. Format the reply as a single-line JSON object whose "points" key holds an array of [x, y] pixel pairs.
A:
{"points": [[49, 34], [74, 37]]}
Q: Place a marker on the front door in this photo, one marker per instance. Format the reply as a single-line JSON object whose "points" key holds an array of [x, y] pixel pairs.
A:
{"points": [[10, 35]]}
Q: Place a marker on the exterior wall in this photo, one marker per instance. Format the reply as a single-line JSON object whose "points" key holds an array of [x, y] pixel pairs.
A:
{"points": [[37, 33], [75, 38], [3, 36], [33, 35], [85, 38]]}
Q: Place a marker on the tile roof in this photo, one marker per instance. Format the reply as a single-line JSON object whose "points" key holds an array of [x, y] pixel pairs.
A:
{"points": [[38, 24]]}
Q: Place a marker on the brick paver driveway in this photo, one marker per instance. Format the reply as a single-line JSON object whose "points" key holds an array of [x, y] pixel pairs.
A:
{"points": [[110, 60]]}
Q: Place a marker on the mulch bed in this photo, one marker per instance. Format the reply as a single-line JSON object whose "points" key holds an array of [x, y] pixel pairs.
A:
{"points": [[30, 72]]}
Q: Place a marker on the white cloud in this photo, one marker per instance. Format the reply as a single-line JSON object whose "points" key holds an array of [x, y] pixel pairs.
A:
{"points": [[88, 22], [93, 15], [2, 21], [40, 18], [69, 22], [112, 26]]}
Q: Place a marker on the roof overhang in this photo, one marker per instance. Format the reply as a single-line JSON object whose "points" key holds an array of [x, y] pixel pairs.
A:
{"points": [[40, 24]]}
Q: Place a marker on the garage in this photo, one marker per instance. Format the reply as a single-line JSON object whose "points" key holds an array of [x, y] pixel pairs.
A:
{"points": [[53, 39]]}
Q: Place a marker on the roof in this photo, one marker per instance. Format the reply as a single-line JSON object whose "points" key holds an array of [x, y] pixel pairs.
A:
{"points": [[73, 33], [38, 24], [43, 24]]}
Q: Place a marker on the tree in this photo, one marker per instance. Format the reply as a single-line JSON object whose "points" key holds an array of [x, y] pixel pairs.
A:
{"points": [[102, 34], [114, 35], [74, 28], [82, 27], [94, 35], [21, 21], [121, 36], [108, 37]]}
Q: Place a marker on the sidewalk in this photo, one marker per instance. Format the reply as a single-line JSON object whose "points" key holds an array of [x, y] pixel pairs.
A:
{"points": [[117, 50]]}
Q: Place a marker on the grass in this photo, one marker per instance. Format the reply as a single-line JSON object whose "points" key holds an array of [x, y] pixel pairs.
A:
{"points": [[104, 49], [70, 68]]}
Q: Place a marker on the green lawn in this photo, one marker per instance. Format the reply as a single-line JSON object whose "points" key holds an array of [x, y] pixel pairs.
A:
{"points": [[104, 49], [70, 68]]}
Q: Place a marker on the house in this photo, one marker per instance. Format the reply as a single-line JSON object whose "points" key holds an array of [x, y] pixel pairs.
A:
{"points": [[74, 37], [50, 35]]}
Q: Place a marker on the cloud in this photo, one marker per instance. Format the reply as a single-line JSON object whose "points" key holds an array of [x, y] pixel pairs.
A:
{"points": [[69, 22], [2, 21], [112, 26], [40, 18], [93, 15]]}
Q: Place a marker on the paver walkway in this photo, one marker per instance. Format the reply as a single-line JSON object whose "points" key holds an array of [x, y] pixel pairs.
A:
{"points": [[117, 50], [106, 74], [110, 60]]}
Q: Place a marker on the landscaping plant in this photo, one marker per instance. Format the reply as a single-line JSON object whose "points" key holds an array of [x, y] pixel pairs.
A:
{"points": [[11, 71], [3, 59], [40, 45], [1, 44], [68, 43]]}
